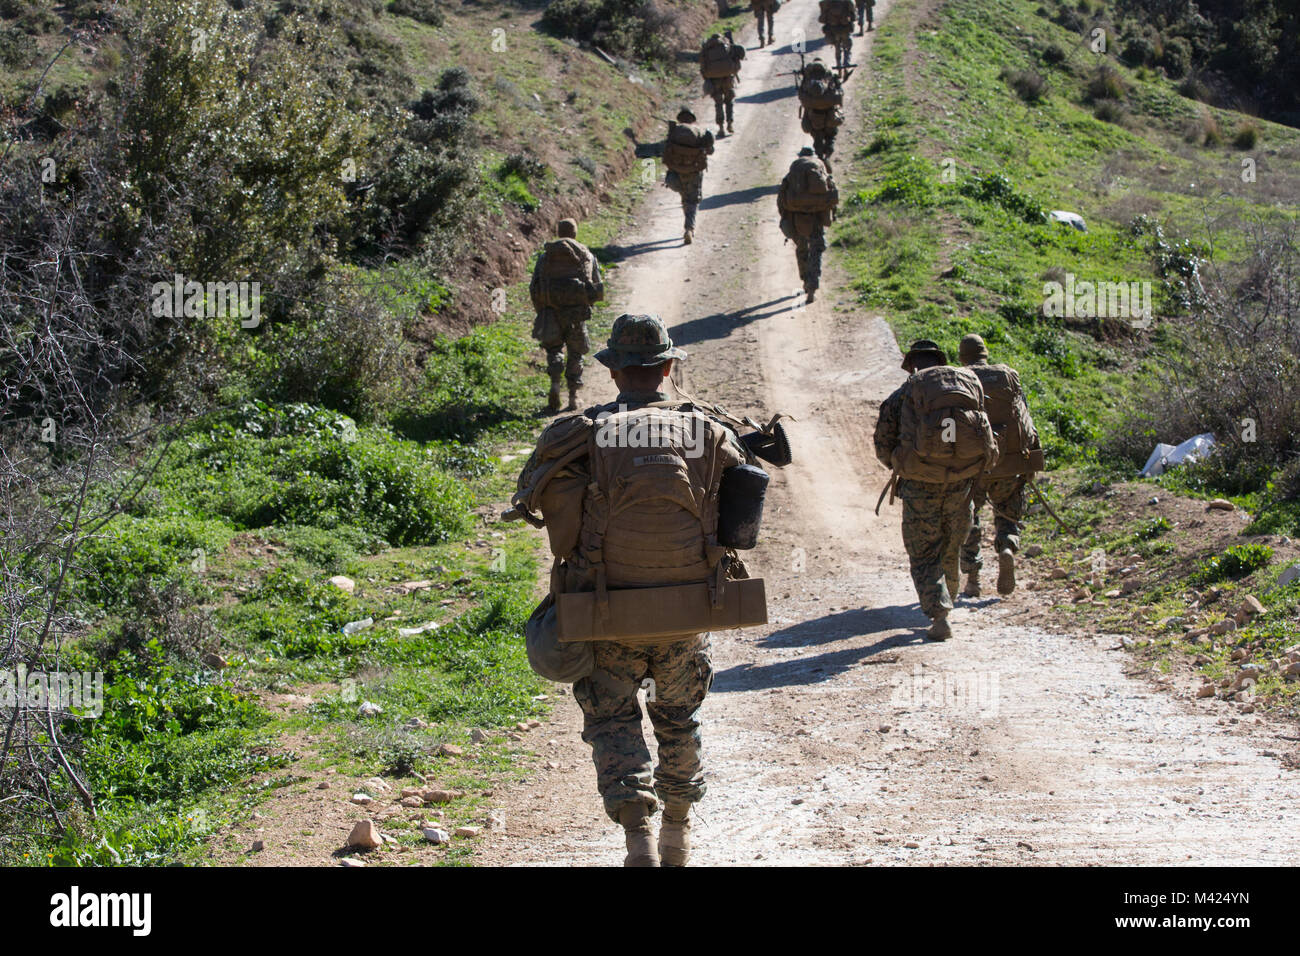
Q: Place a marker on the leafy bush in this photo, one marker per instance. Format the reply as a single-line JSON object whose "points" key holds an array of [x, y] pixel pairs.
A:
{"points": [[1106, 84], [1236, 562], [1028, 84], [908, 182], [633, 28], [997, 189], [425, 11]]}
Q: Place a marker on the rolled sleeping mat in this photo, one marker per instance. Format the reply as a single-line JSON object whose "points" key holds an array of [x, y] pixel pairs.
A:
{"points": [[772, 446]]}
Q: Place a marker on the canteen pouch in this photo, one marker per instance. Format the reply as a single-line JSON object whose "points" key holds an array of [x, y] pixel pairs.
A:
{"points": [[740, 506]]}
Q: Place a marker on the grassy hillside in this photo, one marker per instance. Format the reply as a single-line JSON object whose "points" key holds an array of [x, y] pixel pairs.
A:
{"points": [[983, 116]]}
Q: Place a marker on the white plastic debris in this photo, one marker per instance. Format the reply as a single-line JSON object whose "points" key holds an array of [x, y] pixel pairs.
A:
{"points": [[1164, 457], [412, 631], [356, 627], [1069, 218]]}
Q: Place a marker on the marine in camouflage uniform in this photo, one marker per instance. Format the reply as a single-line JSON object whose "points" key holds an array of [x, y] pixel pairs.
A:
{"points": [[806, 229], [690, 185], [558, 329], [723, 88], [866, 11], [764, 10], [936, 518], [837, 27], [640, 351], [1007, 495]]}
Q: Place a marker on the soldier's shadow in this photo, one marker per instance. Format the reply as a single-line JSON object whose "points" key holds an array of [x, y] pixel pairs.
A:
{"points": [[719, 324], [739, 196], [616, 253], [806, 670], [852, 623], [768, 96]]}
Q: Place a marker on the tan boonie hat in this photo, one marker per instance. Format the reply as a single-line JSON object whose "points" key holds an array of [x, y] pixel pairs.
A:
{"points": [[566, 229], [972, 349], [638, 340], [923, 347]]}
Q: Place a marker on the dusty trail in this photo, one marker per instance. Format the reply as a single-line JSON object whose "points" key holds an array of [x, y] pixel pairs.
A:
{"points": [[829, 738]]}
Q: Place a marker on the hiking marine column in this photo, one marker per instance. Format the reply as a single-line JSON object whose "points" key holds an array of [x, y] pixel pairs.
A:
{"points": [[686, 154], [935, 436], [566, 283], [1020, 454], [720, 58], [807, 201]]}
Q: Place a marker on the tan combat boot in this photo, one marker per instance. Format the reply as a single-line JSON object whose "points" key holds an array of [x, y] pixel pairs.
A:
{"points": [[972, 588], [688, 237], [731, 127], [1006, 571], [635, 818], [553, 400], [940, 629], [573, 400], [675, 834]]}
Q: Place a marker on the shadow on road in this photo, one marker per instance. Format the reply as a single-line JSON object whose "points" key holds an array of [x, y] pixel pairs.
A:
{"points": [[616, 253], [720, 324], [768, 96], [739, 196], [842, 624], [806, 670]]}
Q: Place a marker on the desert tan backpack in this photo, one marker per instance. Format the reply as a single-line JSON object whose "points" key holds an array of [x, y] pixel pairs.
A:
{"points": [[1004, 402], [944, 433]]}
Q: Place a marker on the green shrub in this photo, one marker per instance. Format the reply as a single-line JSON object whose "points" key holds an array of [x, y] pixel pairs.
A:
{"points": [[997, 189], [425, 11], [1236, 562]]}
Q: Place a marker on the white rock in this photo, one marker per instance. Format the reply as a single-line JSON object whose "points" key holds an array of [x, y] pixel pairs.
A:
{"points": [[369, 709], [343, 583], [362, 799], [350, 863], [436, 835], [379, 784], [468, 832]]}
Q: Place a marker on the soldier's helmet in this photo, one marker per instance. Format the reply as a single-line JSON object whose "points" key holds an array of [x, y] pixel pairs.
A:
{"points": [[638, 340], [566, 229], [806, 151], [972, 349], [923, 347], [684, 115], [817, 67]]}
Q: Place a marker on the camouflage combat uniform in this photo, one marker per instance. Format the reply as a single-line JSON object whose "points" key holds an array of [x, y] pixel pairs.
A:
{"points": [[561, 329], [764, 10], [866, 12], [936, 519], [1007, 496], [682, 673]]}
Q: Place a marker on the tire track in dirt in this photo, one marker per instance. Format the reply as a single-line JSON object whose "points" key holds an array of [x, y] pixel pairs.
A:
{"points": [[836, 734]]}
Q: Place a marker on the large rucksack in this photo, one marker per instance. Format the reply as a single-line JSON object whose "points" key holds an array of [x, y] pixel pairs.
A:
{"points": [[718, 59], [944, 433], [808, 187], [686, 150], [820, 92], [565, 274], [838, 13], [1009, 415]]}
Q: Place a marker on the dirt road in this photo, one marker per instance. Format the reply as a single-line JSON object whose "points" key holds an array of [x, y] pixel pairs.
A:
{"points": [[837, 734]]}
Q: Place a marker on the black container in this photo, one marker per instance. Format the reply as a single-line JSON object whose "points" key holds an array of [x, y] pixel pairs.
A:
{"points": [[740, 506]]}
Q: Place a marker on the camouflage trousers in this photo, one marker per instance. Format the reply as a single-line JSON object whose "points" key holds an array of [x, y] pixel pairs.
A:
{"points": [[691, 188], [560, 329], [765, 15], [841, 38], [866, 12], [682, 673], [1007, 495], [808, 253], [936, 521]]}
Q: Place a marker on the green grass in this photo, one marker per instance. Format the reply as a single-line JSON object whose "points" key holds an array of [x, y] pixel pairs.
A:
{"points": [[942, 231]]}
